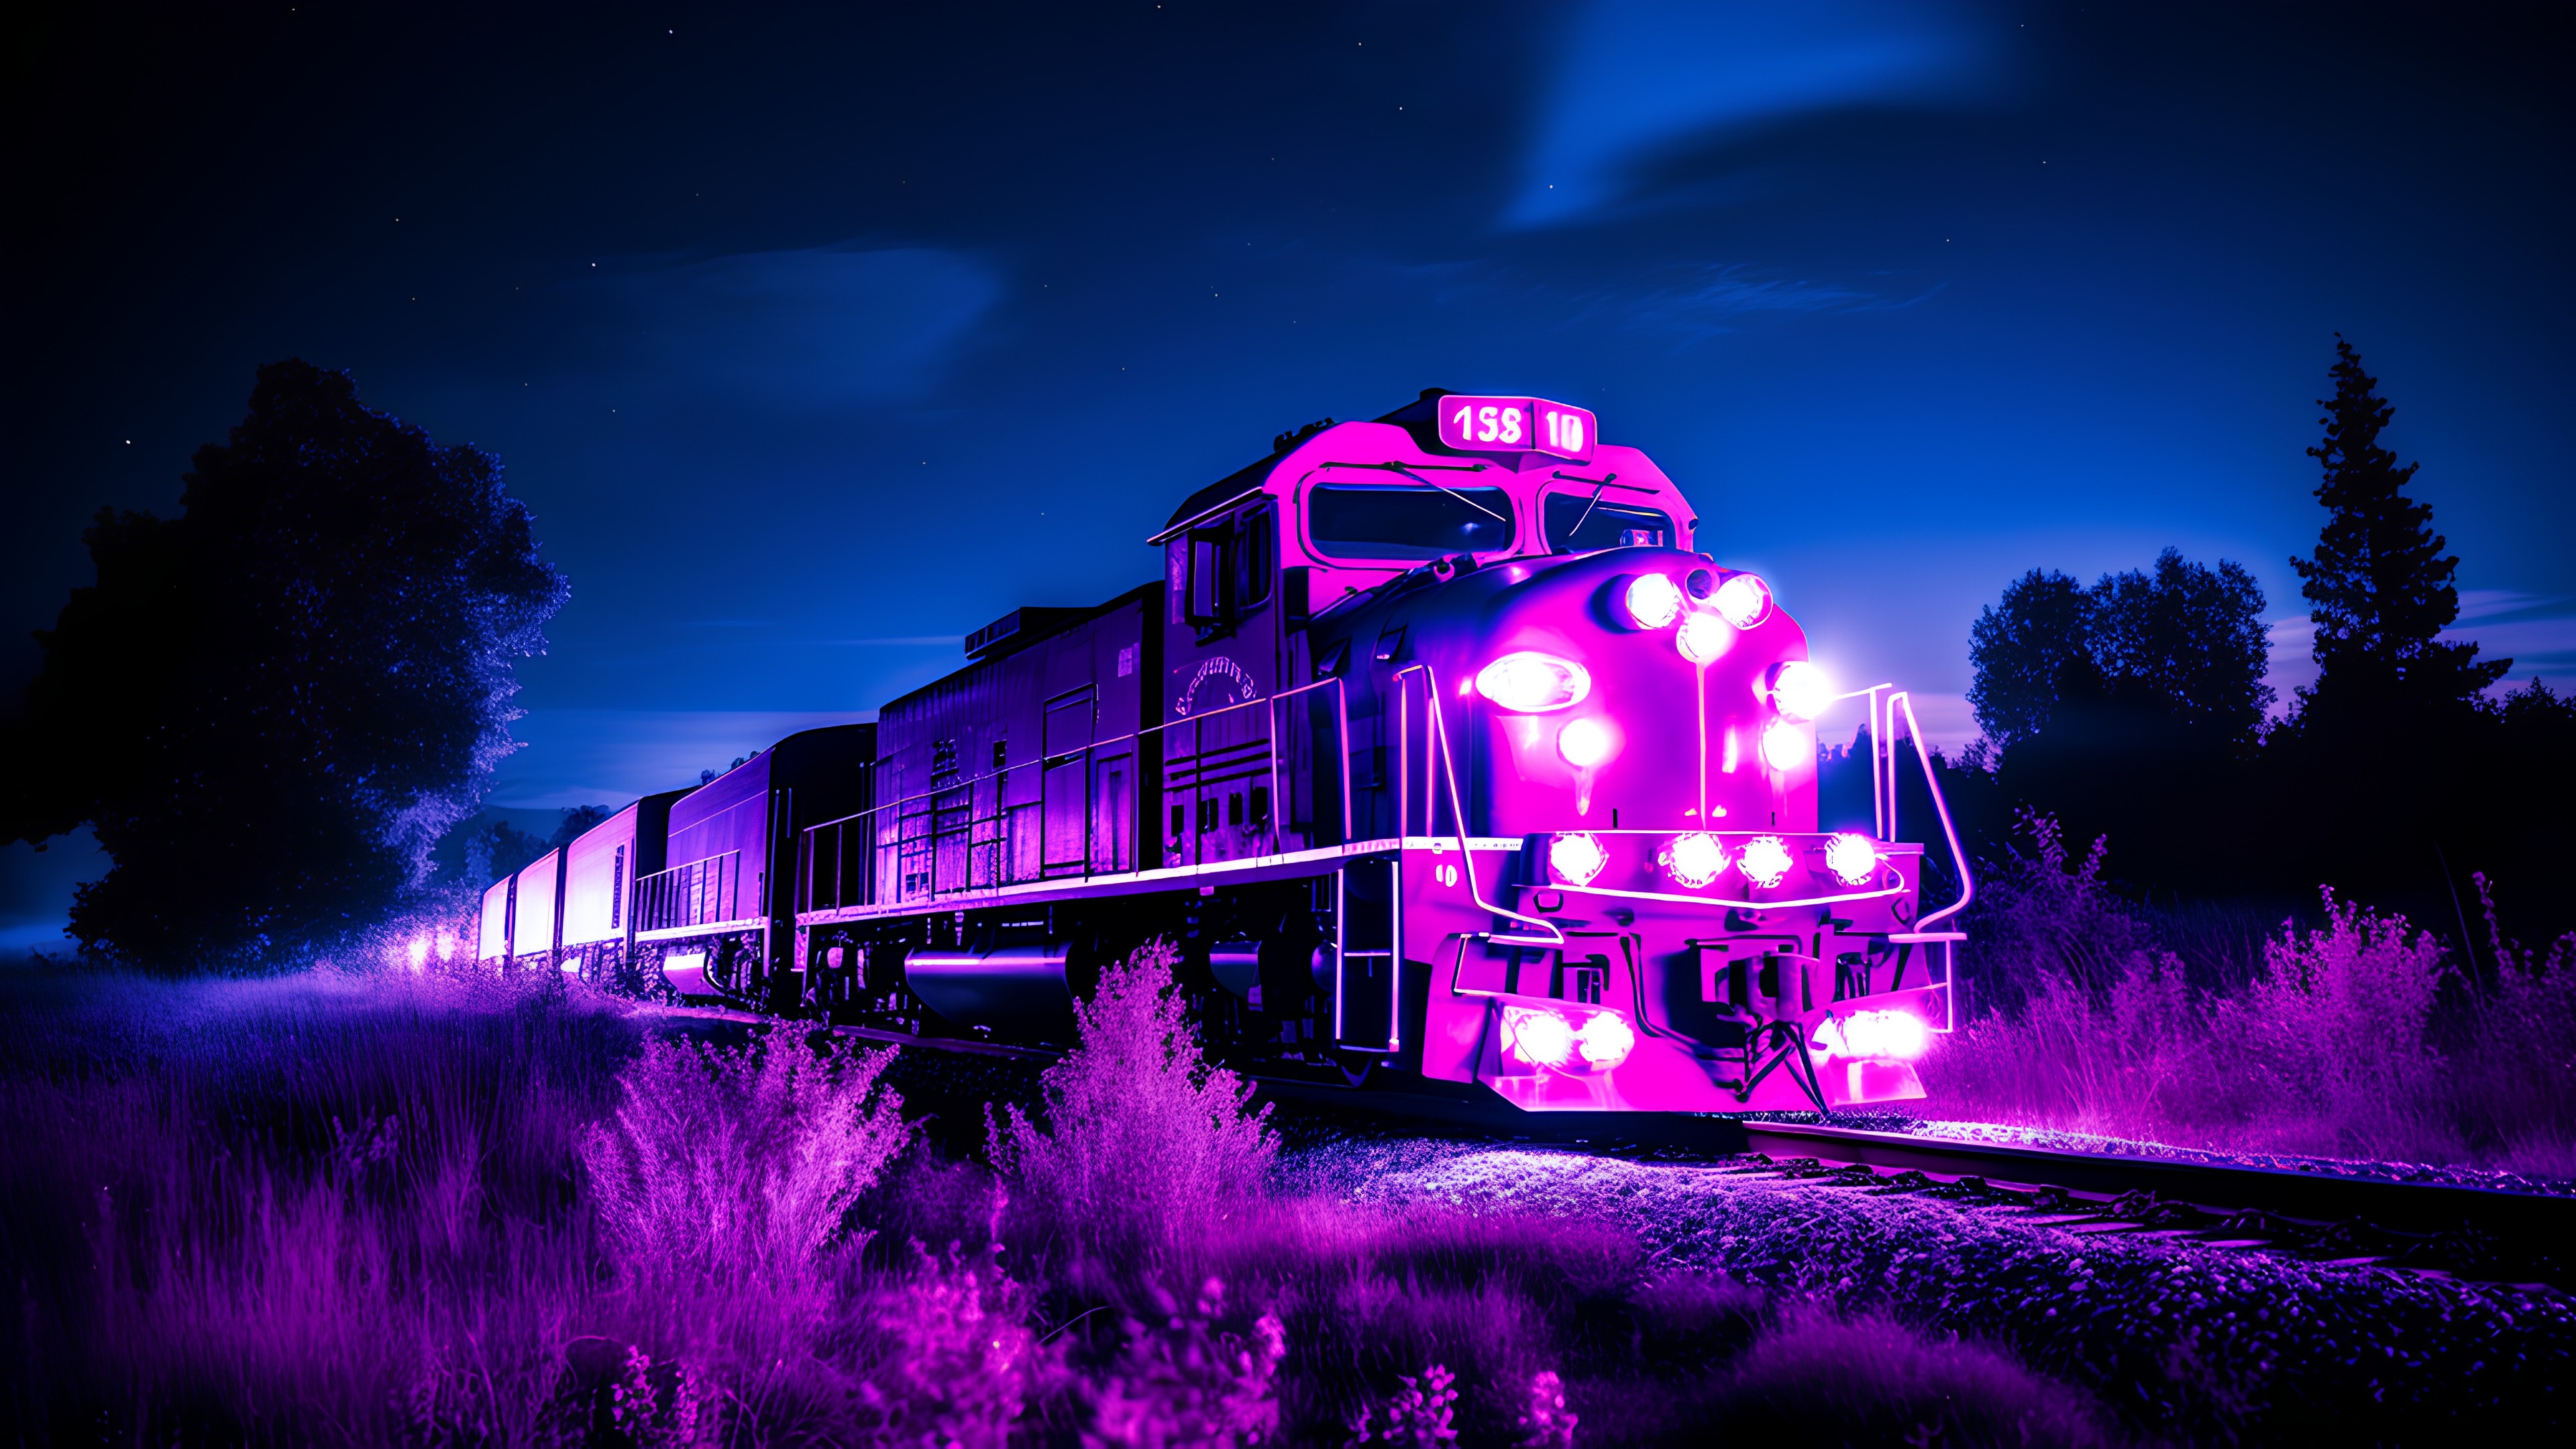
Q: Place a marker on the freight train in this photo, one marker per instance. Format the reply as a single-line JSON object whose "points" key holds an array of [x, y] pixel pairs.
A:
{"points": [[1438, 749]]}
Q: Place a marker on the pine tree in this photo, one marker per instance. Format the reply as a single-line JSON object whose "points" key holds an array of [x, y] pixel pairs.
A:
{"points": [[2379, 586]]}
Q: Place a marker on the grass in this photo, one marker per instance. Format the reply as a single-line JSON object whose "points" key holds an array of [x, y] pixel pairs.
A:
{"points": [[2355, 1036], [447, 1210]]}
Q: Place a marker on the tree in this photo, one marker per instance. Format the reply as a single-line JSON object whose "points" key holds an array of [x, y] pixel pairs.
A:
{"points": [[2186, 641], [2126, 708], [2021, 648], [2188, 637], [2378, 585], [270, 707]]}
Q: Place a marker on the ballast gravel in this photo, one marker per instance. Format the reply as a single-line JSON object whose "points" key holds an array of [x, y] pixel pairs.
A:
{"points": [[2188, 1338]]}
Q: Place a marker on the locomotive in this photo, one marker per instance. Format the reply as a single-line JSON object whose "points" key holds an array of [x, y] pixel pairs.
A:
{"points": [[1438, 750]]}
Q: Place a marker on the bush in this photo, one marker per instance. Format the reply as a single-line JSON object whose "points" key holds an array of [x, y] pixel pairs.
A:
{"points": [[1876, 1382], [2353, 1038], [1146, 1147]]}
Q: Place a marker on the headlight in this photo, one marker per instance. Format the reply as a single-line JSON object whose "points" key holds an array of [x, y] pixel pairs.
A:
{"points": [[1703, 637], [1694, 860], [1576, 857], [1651, 601], [1540, 1038], [1533, 683], [1584, 743], [1874, 1035], [1852, 859], [1785, 746], [1765, 861], [1744, 599], [1800, 690], [1605, 1040]]}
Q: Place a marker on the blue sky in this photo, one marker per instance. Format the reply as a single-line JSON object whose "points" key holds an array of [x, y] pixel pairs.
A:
{"points": [[817, 338]]}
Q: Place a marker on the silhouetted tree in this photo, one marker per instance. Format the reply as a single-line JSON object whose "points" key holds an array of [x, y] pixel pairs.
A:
{"points": [[2021, 647], [2378, 586], [500, 848], [2185, 641], [577, 820], [2124, 708], [270, 707]]}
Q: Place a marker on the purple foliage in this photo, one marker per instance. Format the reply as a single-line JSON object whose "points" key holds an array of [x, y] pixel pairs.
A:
{"points": [[1143, 1146], [2355, 1039]]}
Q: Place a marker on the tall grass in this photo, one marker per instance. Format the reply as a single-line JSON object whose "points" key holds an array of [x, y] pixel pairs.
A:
{"points": [[2353, 1037], [1145, 1145], [442, 1211]]}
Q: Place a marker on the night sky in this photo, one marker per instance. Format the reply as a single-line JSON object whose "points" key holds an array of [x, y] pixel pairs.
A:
{"points": [[818, 339]]}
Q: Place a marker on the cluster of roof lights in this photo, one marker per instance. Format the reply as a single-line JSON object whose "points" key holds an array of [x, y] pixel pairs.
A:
{"points": [[1529, 682], [1695, 860]]}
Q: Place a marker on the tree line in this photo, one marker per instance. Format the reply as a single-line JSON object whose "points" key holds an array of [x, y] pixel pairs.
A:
{"points": [[2134, 709]]}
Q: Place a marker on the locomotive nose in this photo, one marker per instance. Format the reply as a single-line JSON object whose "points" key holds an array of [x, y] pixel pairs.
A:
{"points": [[1644, 688]]}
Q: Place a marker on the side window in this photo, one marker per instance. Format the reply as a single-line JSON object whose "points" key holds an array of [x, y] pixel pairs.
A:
{"points": [[1232, 563]]}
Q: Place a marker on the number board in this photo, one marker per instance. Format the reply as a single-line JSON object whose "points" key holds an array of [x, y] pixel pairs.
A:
{"points": [[1516, 425]]}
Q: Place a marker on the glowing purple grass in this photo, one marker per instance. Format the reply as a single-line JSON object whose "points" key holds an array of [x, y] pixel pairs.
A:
{"points": [[439, 1209], [2357, 1039]]}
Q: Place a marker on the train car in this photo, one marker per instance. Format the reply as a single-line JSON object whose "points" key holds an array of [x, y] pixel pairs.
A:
{"points": [[718, 917], [492, 932], [601, 868], [1439, 748], [536, 912]]}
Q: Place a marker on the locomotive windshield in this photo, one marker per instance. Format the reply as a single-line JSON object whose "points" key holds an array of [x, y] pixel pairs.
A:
{"points": [[1581, 523], [1365, 521]]}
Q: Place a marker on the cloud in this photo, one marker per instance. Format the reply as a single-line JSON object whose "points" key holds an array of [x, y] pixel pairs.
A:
{"points": [[815, 328], [1710, 300], [1642, 79]]}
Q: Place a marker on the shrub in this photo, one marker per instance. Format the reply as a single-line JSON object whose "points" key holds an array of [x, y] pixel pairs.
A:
{"points": [[2355, 1037], [1419, 1415], [1146, 1146], [959, 1365], [725, 1173], [1876, 1382], [1184, 1380]]}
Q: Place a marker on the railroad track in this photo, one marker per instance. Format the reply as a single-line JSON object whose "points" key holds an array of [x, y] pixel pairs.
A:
{"points": [[2483, 1234]]}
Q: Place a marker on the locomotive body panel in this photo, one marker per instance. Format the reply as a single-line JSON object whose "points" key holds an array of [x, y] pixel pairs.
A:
{"points": [[1029, 765]]}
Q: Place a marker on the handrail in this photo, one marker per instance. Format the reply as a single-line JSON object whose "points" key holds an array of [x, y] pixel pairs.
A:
{"points": [[1271, 746], [1949, 830]]}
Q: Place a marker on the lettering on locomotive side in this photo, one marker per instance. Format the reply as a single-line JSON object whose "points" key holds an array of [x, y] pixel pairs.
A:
{"points": [[1215, 684]]}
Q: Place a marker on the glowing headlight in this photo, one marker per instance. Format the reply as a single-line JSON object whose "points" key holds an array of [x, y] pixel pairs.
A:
{"points": [[1745, 600], [1584, 743], [1852, 859], [1694, 860], [1651, 601], [1765, 861], [1874, 1035], [1799, 690], [1785, 746], [1533, 683], [1605, 1040], [1576, 857], [1540, 1038], [1703, 637]]}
